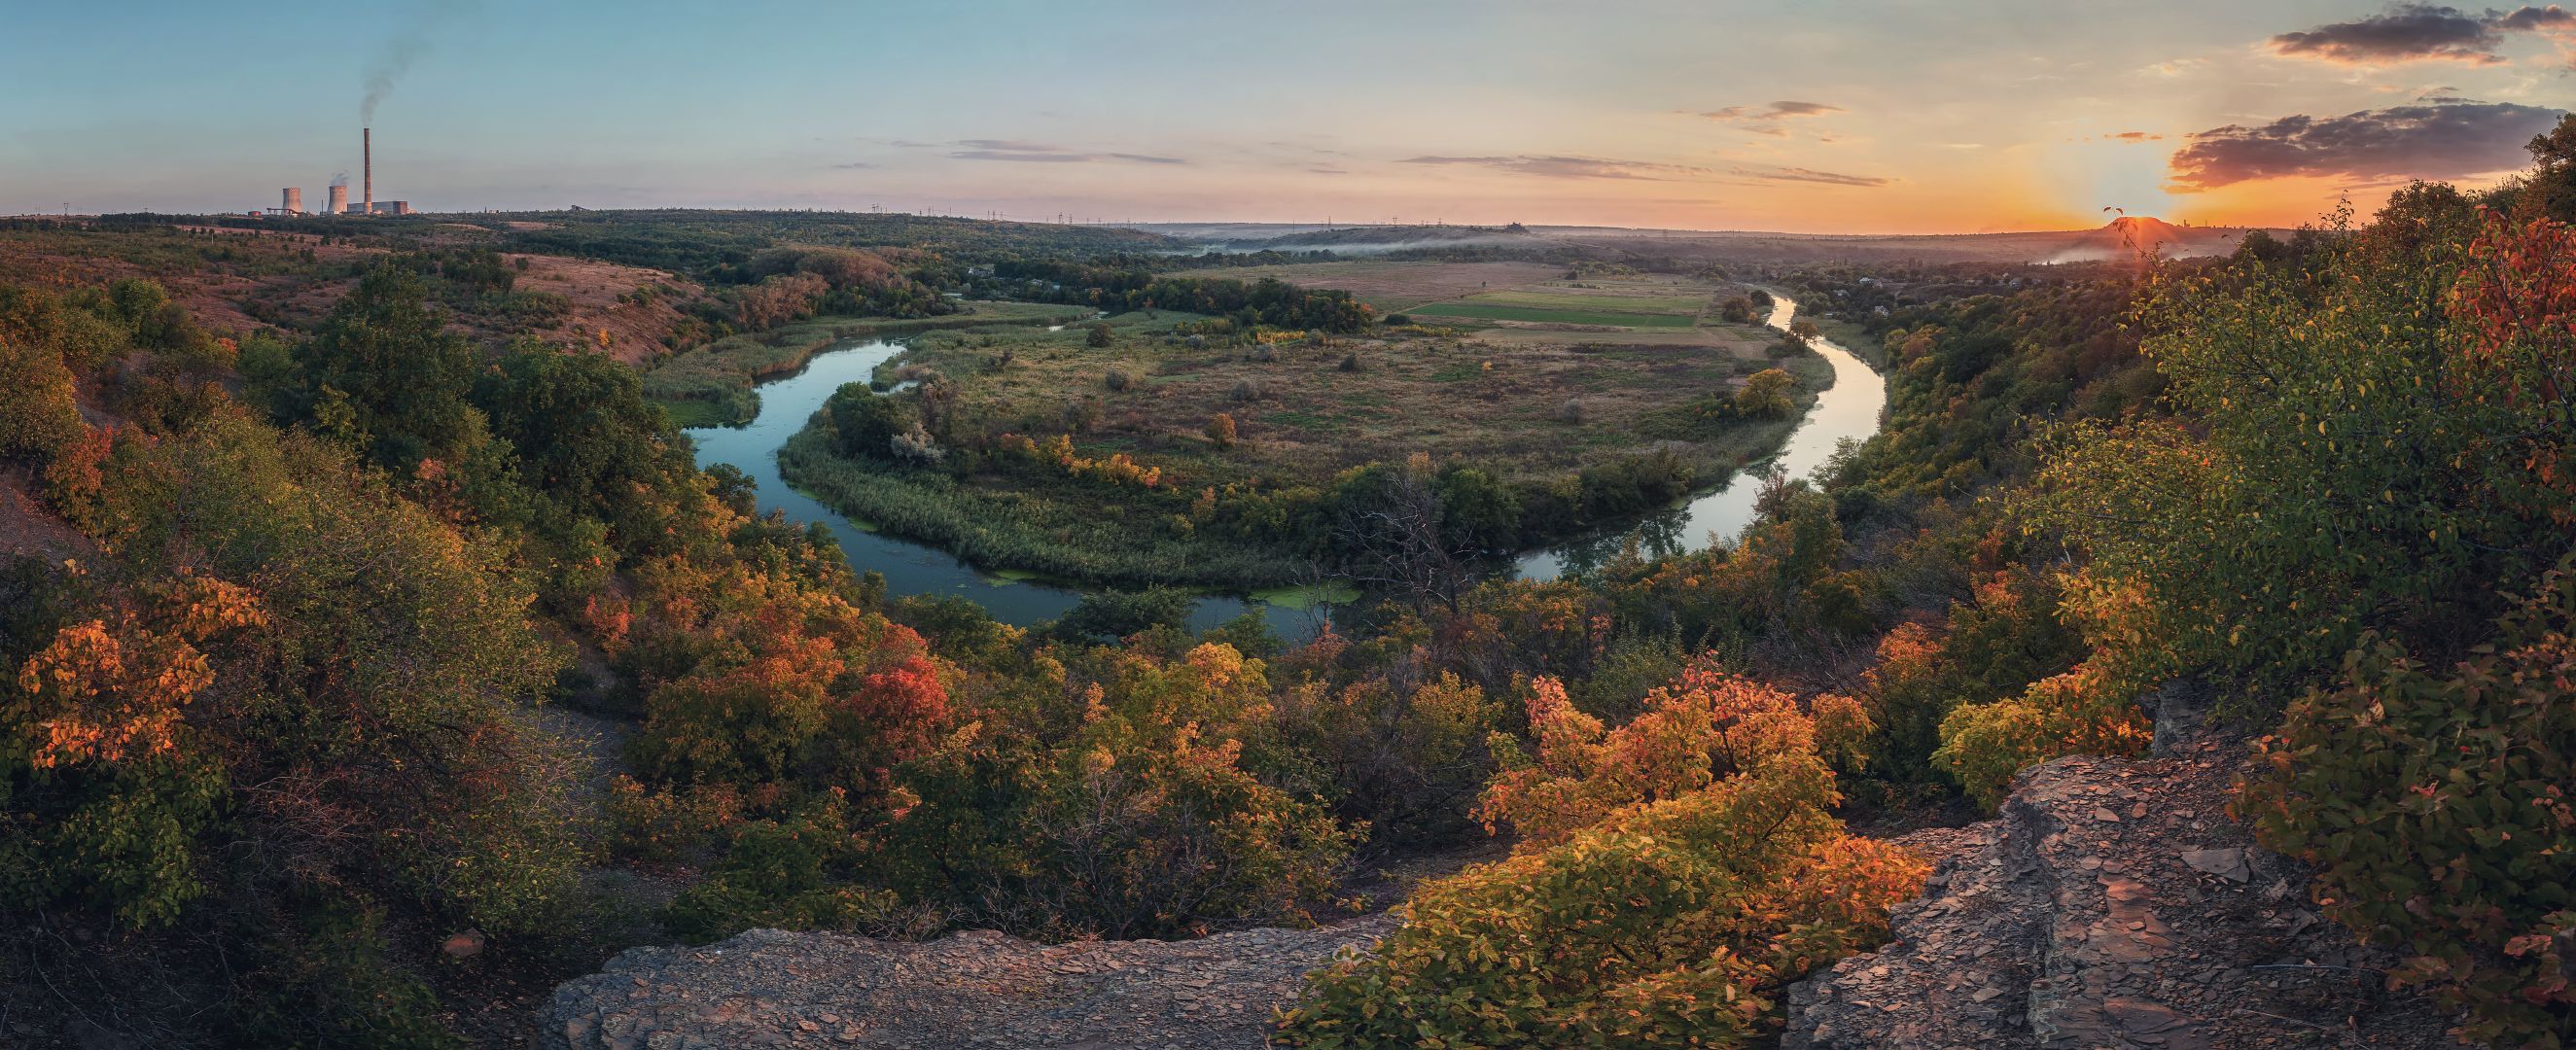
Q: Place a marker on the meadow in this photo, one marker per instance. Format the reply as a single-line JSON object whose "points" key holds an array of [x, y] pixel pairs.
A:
{"points": [[711, 385], [1394, 286], [1482, 309], [1575, 382]]}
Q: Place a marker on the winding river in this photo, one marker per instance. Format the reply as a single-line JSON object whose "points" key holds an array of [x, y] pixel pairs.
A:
{"points": [[1850, 409]]}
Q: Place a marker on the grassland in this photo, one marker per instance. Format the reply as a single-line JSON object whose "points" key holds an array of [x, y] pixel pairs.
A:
{"points": [[1584, 374], [711, 385], [1395, 287], [1490, 311], [1031, 530], [1301, 415]]}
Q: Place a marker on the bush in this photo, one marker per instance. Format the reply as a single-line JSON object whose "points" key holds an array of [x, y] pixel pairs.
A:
{"points": [[2081, 712], [1141, 801], [1245, 391], [1098, 337], [1681, 870], [1766, 394], [37, 413], [867, 423], [1107, 616], [2434, 803], [1409, 763], [1116, 381], [1220, 431], [794, 874]]}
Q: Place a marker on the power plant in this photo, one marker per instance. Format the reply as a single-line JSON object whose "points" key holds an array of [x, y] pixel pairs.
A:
{"points": [[291, 199]]}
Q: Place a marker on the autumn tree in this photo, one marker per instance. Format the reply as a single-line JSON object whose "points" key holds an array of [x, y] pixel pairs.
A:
{"points": [[1765, 394]]}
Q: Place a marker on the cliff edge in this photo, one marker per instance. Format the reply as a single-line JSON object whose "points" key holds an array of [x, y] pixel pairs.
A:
{"points": [[971, 990], [2112, 903]]}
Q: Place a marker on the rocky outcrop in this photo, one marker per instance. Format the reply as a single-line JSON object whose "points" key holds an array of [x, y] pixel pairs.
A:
{"points": [[2112, 904], [972, 990]]}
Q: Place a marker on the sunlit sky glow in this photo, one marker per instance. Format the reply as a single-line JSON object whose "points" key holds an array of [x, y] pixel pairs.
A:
{"points": [[1917, 117]]}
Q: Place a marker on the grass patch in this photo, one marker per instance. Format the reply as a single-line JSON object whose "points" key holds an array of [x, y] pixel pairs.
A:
{"points": [[1497, 312], [689, 414], [1302, 598], [712, 385], [1688, 305], [1109, 538]]}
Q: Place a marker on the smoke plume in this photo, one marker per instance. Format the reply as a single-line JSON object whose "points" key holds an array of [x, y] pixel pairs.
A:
{"points": [[407, 46]]}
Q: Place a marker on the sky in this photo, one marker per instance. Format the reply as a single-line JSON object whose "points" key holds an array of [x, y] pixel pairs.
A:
{"points": [[1826, 116]]}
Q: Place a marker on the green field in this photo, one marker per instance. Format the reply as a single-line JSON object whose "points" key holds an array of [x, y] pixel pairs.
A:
{"points": [[1499, 312], [1545, 299]]}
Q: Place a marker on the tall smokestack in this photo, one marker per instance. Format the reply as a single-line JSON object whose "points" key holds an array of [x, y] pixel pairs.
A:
{"points": [[367, 162]]}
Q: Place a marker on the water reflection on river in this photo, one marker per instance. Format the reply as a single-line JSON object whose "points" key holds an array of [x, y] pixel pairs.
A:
{"points": [[1848, 410]]}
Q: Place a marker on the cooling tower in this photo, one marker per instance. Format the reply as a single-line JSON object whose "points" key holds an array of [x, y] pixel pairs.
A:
{"points": [[294, 202], [339, 199]]}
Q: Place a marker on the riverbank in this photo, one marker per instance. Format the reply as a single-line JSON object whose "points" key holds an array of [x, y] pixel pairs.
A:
{"points": [[712, 385], [1056, 531]]}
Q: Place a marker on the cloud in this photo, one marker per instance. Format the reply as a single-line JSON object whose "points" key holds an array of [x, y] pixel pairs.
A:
{"points": [[2138, 136], [1766, 119], [1564, 167], [2433, 142], [1026, 156], [1811, 175], [1774, 111], [2414, 32], [856, 165], [1559, 167], [1026, 152]]}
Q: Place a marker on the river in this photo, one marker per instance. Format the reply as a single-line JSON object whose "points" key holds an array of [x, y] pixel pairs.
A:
{"points": [[1849, 409], [788, 402]]}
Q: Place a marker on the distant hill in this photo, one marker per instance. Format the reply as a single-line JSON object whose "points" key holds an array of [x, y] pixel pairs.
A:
{"points": [[2124, 237]]}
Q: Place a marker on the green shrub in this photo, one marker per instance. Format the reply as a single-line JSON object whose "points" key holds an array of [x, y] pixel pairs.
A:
{"points": [[37, 413], [2435, 804], [793, 874]]}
